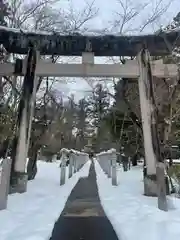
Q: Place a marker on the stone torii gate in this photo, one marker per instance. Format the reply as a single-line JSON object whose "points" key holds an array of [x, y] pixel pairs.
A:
{"points": [[142, 68]]}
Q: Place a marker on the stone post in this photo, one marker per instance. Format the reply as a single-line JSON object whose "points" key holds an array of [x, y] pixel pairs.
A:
{"points": [[106, 163], [114, 169], [5, 168], [71, 159], [162, 202], [79, 161], [108, 159], [75, 162], [63, 166]]}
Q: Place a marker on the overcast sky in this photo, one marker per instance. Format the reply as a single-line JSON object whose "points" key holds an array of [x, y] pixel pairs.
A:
{"points": [[108, 12]]}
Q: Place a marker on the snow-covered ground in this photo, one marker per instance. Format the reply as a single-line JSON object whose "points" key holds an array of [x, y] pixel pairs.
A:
{"points": [[31, 216], [133, 215]]}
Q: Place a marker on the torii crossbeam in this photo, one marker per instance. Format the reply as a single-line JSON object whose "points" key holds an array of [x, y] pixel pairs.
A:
{"points": [[18, 41]]}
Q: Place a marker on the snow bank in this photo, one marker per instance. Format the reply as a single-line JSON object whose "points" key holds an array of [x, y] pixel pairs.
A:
{"points": [[31, 216], [174, 160], [133, 215]]}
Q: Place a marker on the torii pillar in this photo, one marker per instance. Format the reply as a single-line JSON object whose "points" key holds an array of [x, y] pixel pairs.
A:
{"points": [[154, 180], [25, 116]]}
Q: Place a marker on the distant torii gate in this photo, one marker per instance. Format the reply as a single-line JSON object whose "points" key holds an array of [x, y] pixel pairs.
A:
{"points": [[16, 41]]}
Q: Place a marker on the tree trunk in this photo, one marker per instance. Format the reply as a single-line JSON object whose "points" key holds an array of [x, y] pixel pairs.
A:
{"points": [[134, 159], [170, 162], [125, 163], [4, 148], [49, 158], [32, 164]]}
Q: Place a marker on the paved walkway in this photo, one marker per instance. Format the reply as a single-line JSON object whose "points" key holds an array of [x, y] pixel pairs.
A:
{"points": [[83, 217]]}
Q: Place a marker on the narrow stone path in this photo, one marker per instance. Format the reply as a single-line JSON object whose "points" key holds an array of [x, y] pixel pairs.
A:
{"points": [[83, 217]]}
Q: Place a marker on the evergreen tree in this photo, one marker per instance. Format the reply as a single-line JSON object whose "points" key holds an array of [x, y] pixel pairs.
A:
{"points": [[98, 104], [122, 122], [97, 110], [81, 123]]}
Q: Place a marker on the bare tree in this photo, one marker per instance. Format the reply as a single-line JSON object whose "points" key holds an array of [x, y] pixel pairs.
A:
{"points": [[40, 15], [143, 14]]}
